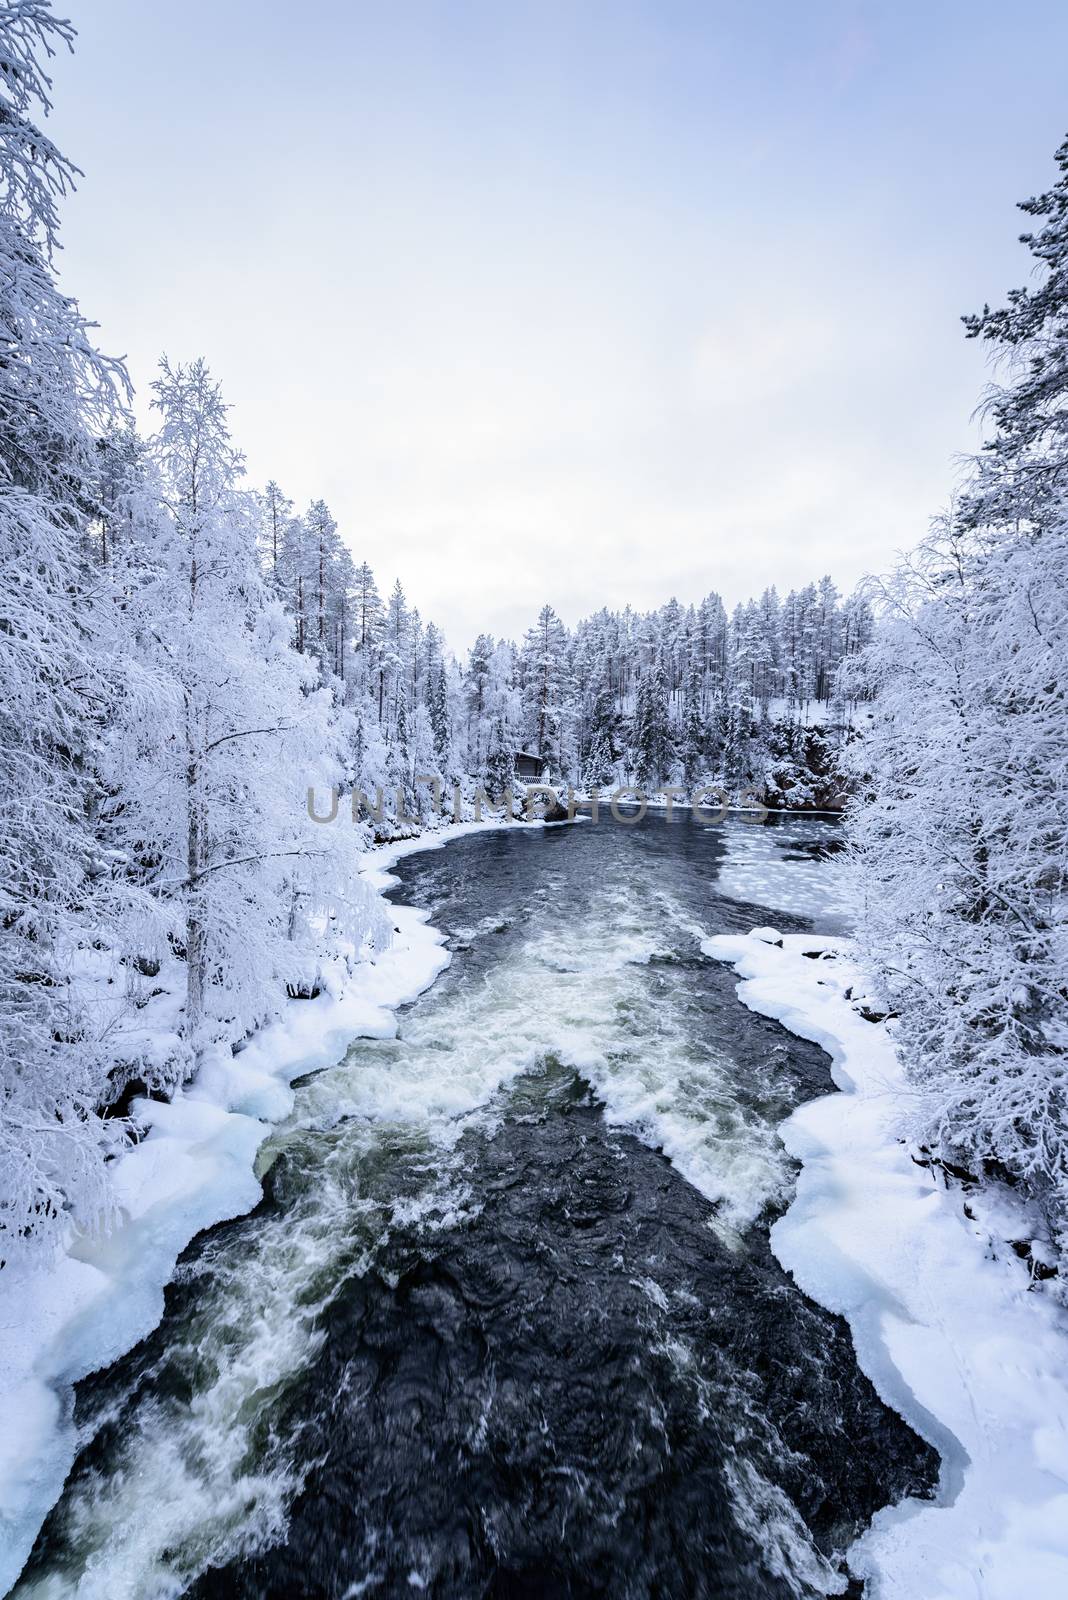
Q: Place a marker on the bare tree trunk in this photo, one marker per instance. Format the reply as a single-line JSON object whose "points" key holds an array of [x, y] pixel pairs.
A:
{"points": [[196, 945]]}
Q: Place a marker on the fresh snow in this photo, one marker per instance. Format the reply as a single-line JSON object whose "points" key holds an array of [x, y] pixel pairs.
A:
{"points": [[943, 1315], [193, 1168]]}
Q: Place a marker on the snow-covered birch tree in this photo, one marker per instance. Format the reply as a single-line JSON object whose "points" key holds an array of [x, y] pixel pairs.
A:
{"points": [[251, 730]]}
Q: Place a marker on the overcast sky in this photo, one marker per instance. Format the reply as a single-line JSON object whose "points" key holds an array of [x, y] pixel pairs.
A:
{"points": [[580, 302]]}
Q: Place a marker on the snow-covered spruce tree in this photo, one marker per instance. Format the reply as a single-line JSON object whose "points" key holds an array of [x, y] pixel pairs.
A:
{"points": [[693, 729], [546, 661], [399, 766], [333, 577], [738, 749], [961, 834], [216, 793], [500, 761], [476, 703], [59, 662], [654, 754], [293, 578], [395, 654], [367, 755], [366, 634], [440, 721], [424, 766], [600, 755]]}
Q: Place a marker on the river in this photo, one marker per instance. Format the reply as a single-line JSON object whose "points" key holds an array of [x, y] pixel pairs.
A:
{"points": [[506, 1322]]}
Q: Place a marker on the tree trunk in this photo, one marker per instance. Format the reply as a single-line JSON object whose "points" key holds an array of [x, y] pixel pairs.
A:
{"points": [[196, 946]]}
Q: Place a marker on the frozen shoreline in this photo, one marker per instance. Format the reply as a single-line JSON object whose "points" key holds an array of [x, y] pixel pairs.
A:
{"points": [[938, 1303], [193, 1169]]}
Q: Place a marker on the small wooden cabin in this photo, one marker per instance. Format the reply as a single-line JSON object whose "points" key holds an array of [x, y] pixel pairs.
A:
{"points": [[527, 767]]}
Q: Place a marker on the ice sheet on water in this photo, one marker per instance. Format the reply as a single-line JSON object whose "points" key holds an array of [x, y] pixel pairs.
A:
{"points": [[780, 866]]}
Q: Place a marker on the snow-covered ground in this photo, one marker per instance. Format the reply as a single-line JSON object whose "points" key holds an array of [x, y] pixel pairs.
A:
{"points": [[193, 1169], [943, 1314]]}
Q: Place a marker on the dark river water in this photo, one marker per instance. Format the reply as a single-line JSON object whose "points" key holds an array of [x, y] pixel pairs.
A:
{"points": [[506, 1322]]}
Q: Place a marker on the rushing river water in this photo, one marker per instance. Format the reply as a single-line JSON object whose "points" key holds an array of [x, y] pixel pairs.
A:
{"points": [[506, 1322]]}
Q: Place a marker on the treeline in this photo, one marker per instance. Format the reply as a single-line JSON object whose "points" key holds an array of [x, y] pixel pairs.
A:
{"points": [[960, 829], [682, 695], [757, 700]]}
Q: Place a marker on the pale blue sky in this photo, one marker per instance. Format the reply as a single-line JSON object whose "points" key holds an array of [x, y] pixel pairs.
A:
{"points": [[581, 302]]}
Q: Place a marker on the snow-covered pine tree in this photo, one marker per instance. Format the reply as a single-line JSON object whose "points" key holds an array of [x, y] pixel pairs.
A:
{"points": [[277, 513], [1021, 473]]}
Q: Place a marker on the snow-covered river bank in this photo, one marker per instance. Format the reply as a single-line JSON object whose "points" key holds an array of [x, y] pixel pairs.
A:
{"points": [[507, 1320], [935, 1280]]}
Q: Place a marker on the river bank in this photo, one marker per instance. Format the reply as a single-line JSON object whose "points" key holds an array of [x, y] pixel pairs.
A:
{"points": [[946, 1317]]}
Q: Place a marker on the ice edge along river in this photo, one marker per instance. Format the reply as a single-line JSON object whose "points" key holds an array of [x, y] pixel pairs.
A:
{"points": [[943, 1316], [943, 1323]]}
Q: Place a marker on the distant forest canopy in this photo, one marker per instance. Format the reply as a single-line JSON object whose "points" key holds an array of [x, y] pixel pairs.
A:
{"points": [[756, 700]]}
